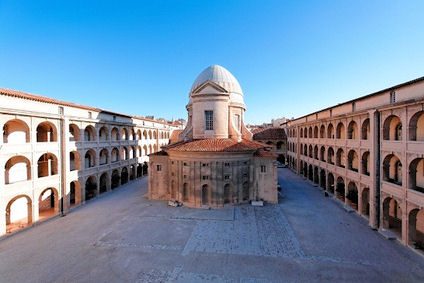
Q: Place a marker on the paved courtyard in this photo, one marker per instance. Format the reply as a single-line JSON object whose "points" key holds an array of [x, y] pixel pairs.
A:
{"points": [[122, 237]]}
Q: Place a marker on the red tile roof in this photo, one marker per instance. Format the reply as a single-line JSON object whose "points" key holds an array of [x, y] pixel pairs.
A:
{"points": [[270, 134], [216, 145], [175, 136], [265, 153]]}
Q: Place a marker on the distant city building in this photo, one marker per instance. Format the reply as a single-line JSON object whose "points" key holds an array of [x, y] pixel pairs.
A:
{"points": [[56, 155], [369, 153], [276, 138], [214, 161]]}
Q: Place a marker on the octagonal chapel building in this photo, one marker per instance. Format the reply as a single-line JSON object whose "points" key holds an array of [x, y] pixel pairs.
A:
{"points": [[214, 161]]}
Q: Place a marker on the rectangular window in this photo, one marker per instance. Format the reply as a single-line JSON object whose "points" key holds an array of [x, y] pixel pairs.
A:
{"points": [[208, 120], [158, 168], [205, 177], [90, 115], [205, 164], [227, 177], [227, 164], [263, 169], [237, 122], [185, 164]]}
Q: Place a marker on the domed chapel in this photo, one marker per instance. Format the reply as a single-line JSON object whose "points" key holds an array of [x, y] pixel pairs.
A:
{"points": [[214, 161]]}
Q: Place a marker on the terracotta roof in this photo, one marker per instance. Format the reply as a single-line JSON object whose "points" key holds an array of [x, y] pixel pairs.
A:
{"points": [[270, 134], [159, 153], [175, 136], [265, 153], [216, 145]]}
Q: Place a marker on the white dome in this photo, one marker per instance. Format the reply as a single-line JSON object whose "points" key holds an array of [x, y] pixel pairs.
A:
{"points": [[220, 76]]}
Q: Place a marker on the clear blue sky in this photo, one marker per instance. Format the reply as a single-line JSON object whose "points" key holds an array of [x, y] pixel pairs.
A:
{"points": [[141, 57]]}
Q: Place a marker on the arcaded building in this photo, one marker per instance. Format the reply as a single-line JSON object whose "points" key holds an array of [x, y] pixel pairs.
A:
{"points": [[56, 155], [369, 153], [214, 160]]}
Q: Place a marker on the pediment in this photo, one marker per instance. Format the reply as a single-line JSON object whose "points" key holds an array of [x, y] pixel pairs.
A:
{"points": [[208, 88]]}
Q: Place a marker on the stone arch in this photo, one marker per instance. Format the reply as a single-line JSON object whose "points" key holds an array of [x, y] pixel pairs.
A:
{"points": [[139, 134], [392, 169], [340, 189], [74, 193], [330, 183], [47, 165], [365, 202], [139, 170], [46, 132], [340, 158], [416, 175], [145, 150], [340, 131], [104, 182], [103, 134], [227, 193], [301, 132], [416, 228], [16, 132], [150, 134], [310, 173], [90, 187], [310, 151], [392, 128], [74, 161], [16, 169], [48, 203], [322, 132], [90, 158], [352, 195], [155, 135], [115, 179], [316, 152], [366, 163], [114, 155], [316, 176], [365, 129], [124, 134], [330, 155], [74, 132], [205, 195], [305, 150], [352, 130], [115, 134], [316, 132], [133, 135], [322, 153], [89, 133], [125, 154], [310, 132], [416, 127], [132, 172], [322, 179], [18, 213], [392, 216], [145, 134], [330, 131], [124, 175], [353, 160], [103, 157]]}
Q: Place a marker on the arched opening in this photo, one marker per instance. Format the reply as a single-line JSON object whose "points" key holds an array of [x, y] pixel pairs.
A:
{"points": [[145, 168], [150, 134], [132, 172], [322, 153], [139, 170], [353, 161], [310, 133], [330, 131], [103, 134], [46, 132], [330, 155], [89, 134], [103, 156], [366, 202], [227, 193], [340, 189], [145, 134], [352, 130], [74, 132], [17, 168], [125, 154], [116, 179], [115, 155], [416, 127], [392, 216], [316, 132], [310, 151], [305, 150], [89, 159], [316, 152], [74, 193], [416, 175], [322, 181], [352, 195], [104, 179], [48, 203], [124, 134], [330, 186], [316, 176], [74, 161], [310, 173], [301, 133], [47, 165], [340, 131], [90, 187], [392, 128], [155, 135], [18, 213], [133, 135], [124, 175], [322, 132], [115, 134], [246, 192], [340, 159], [15, 132], [185, 192], [416, 228], [145, 150], [392, 169], [139, 151], [139, 134], [205, 195], [365, 129], [366, 163]]}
